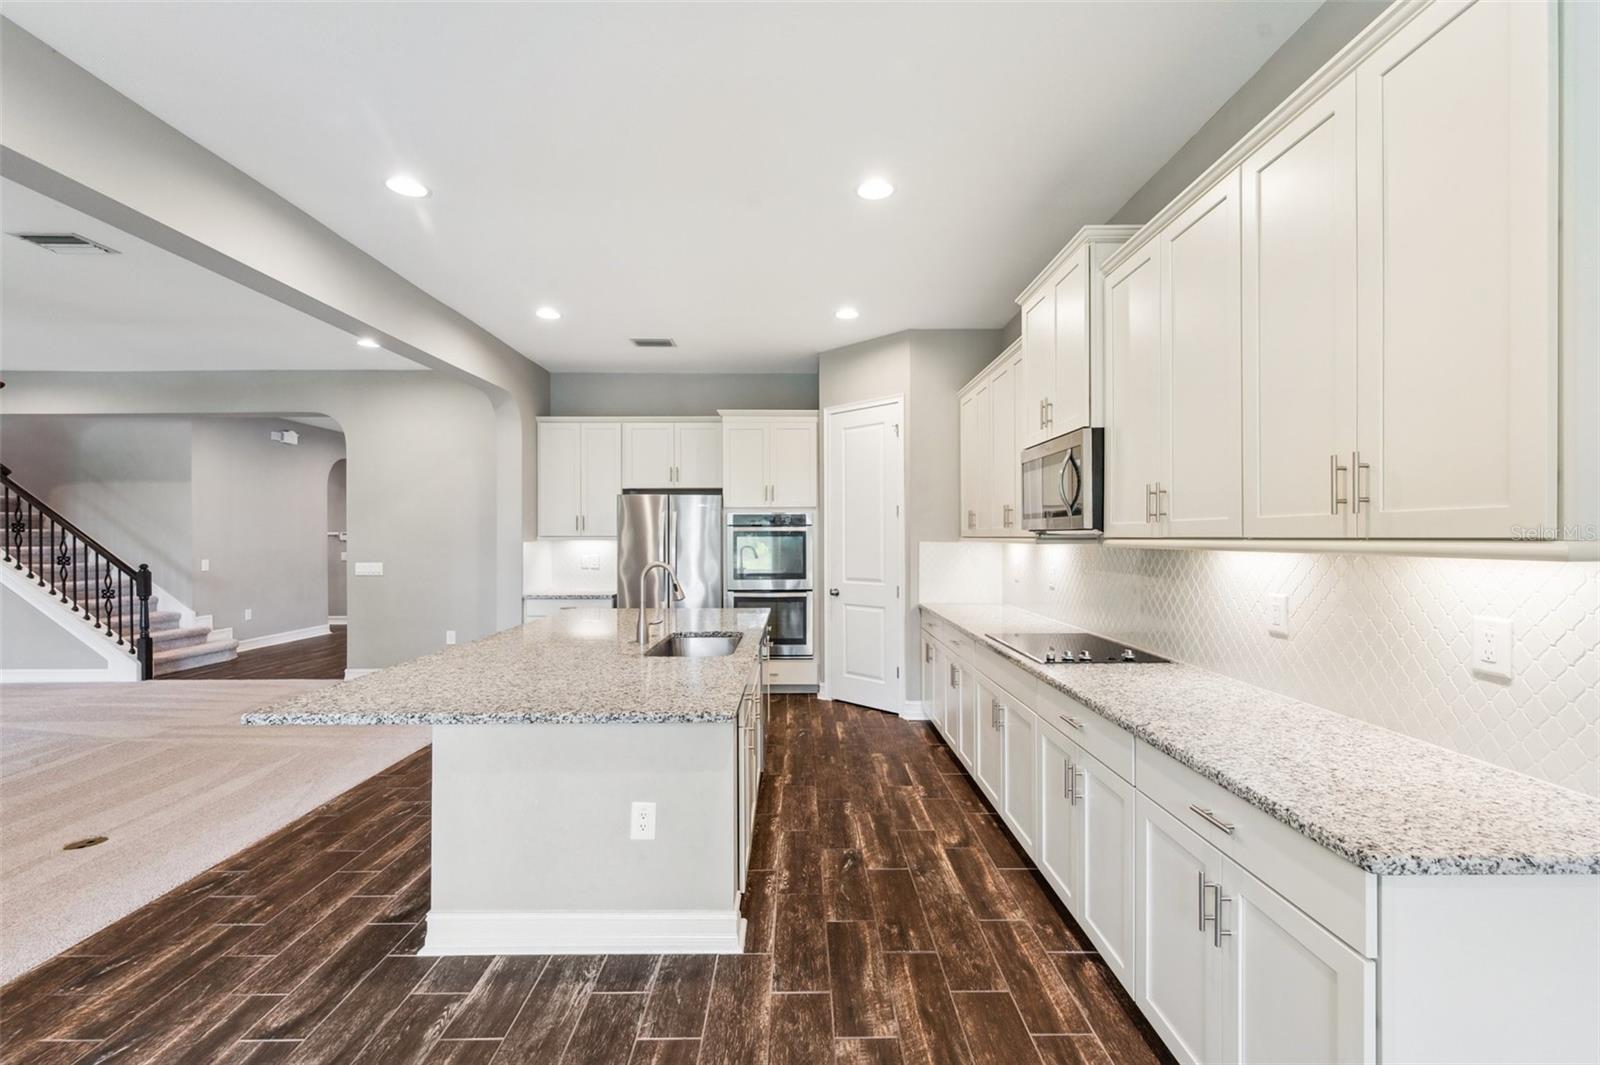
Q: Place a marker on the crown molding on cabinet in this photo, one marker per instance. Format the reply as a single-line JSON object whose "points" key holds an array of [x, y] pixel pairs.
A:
{"points": [[999, 360], [1391, 21], [1086, 235]]}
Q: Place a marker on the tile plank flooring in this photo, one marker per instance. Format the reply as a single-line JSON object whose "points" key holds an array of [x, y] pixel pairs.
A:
{"points": [[891, 920]]}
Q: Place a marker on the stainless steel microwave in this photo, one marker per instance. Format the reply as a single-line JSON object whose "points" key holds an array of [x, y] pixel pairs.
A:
{"points": [[1063, 484]]}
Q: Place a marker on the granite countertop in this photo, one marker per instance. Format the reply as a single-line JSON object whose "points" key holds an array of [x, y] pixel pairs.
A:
{"points": [[1388, 803], [569, 595], [581, 666]]}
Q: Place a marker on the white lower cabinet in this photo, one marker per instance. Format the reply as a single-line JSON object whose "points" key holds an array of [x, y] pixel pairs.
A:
{"points": [[1019, 789], [1291, 992], [932, 685], [989, 758], [1178, 972]]}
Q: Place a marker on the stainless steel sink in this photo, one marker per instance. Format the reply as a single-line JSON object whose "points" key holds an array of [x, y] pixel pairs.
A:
{"points": [[688, 645]]}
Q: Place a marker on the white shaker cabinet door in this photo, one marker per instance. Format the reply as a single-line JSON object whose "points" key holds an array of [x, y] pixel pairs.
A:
{"points": [[959, 712], [1178, 968], [1201, 494], [1299, 324], [1072, 401], [1105, 808], [974, 445], [1292, 993], [602, 476], [648, 454], [1136, 446], [1039, 360], [988, 734], [1456, 198], [744, 465], [699, 455], [1057, 839], [560, 478], [1005, 463], [792, 463], [1021, 793]]}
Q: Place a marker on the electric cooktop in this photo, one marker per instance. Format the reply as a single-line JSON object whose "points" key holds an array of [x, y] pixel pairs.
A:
{"points": [[1059, 648]]}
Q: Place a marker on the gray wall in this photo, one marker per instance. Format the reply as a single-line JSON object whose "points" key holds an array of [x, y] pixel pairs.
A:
{"points": [[927, 367], [28, 641], [338, 575], [124, 480], [423, 485], [260, 519], [603, 394], [1330, 28]]}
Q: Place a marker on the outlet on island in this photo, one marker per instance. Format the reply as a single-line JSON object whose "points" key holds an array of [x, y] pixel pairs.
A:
{"points": [[642, 823]]}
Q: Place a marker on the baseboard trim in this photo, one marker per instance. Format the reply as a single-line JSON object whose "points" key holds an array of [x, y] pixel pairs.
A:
{"points": [[914, 710], [585, 932], [275, 638], [65, 676], [337, 620], [352, 674]]}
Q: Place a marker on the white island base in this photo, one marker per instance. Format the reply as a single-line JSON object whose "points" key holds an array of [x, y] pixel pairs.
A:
{"points": [[531, 839]]}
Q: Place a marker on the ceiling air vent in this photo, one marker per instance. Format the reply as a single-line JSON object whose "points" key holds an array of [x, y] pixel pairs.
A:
{"points": [[654, 342], [66, 243]]}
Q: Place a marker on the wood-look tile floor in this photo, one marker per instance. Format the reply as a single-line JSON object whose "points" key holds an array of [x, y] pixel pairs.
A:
{"points": [[891, 920], [314, 658]]}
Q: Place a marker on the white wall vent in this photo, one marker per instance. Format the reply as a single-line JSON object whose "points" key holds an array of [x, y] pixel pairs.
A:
{"points": [[66, 243], [654, 342]]}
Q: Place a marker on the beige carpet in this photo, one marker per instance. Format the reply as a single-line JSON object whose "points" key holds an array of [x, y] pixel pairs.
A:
{"points": [[168, 773]]}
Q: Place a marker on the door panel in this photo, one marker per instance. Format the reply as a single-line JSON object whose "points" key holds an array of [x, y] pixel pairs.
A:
{"points": [[560, 478], [975, 445], [1201, 332], [1072, 347], [648, 450], [602, 477], [793, 464], [866, 631], [699, 448], [744, 465], [1177, 976], [962, 697], [1021, 807], [988, 735], [1292, 993], [1456, 204], [1135, 426], [1039, 357], [1058, 830], [1106, 877], [1299, 336], [1005, 465]]}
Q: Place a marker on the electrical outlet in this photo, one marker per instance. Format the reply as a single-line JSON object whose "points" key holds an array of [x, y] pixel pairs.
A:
{"points": [[590, 562], [642, 822], [1278, 613], [205, 565], [449, 636], [1491, 647], [248, 613]]}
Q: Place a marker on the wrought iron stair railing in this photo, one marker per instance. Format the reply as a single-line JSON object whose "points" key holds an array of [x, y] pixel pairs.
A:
{"points": [[89, 580]]}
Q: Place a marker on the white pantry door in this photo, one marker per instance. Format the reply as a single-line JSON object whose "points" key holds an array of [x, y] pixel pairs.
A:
{"points": [[863, 547]]}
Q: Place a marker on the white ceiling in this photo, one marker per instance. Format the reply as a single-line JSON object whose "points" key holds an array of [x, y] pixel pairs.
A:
{"points": [[144, 309], [688, 170]]}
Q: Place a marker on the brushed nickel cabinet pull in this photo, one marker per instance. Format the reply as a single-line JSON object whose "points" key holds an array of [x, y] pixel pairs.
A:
{"points": [[1212, 818], [1356, 466], [1335, 500], [1074, 722], [1217, 931], [1161, 506]]}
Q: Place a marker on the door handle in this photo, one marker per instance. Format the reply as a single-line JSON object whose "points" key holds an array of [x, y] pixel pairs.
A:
{"points": [[834, 592]]}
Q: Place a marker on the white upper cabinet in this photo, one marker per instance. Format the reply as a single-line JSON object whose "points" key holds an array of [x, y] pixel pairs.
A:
{"points": [[658, 454], [1039, 357], [1199, 495], [1299, 327], [1135, 404], [1069, 405], [975, 442], [1005, 464], [1456, 200], [768, 460], [580, 477]]}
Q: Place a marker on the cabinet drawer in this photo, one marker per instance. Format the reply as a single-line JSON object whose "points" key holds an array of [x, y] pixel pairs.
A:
{"points": [[1020, 684], [1089, 730], [1336, 894], [791, 672]]}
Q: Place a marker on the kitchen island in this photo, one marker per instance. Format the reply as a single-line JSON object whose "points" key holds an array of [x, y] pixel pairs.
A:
{"points": [[545, 737]]}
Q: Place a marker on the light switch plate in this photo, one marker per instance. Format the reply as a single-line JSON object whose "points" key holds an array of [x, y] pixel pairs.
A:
{"points": [[369, 569], [205, 565], [249, 613], [1278, 613], [1491, 647]]}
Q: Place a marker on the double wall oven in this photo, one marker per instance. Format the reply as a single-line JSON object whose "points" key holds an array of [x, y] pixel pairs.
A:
{"points": [[770, 561]]}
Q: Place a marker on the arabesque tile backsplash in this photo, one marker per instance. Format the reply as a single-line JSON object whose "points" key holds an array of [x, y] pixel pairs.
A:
{"points": [[1385, 639]]}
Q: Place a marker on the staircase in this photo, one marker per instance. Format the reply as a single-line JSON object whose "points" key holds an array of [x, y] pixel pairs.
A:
{"points": [[97, 586]]}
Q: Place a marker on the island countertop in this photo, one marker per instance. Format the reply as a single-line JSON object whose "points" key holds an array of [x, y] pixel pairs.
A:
{"points": [[581, 666]]}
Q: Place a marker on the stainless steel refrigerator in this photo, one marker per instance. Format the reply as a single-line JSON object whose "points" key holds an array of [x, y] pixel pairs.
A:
{"points": [[684, 530]]}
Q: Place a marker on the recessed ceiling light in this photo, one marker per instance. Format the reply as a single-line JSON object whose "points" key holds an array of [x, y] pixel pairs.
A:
{"points": [[549, 314], [366, 342], [847, 314], [406, 185], [875, 188]]}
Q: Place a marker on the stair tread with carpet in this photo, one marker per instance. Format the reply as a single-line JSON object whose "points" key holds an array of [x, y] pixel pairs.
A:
{"points": [[169, 660]]}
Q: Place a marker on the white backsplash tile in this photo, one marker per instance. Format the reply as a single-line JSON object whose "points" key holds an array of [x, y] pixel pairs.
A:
{"points": [[1384, 639], [959, 572], [558, 566]]}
